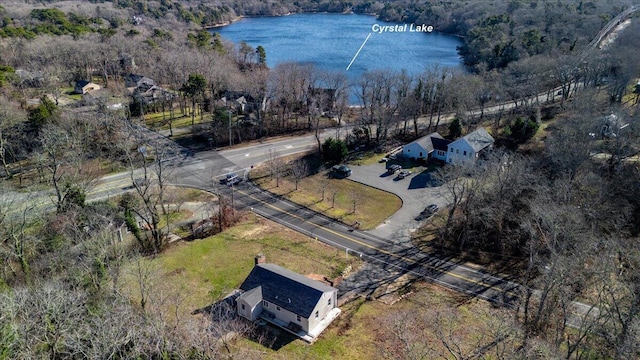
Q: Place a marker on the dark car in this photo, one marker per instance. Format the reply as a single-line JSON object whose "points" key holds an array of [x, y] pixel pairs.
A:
{"points": [[391, 169], [427, 212], [341, 171], [232, 179]]}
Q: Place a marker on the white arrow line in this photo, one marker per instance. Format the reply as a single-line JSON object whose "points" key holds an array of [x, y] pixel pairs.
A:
{"points": [[358, 52]]}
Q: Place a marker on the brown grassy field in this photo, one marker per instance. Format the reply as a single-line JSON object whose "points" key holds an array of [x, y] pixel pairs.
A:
{"points": [[340, 199]]}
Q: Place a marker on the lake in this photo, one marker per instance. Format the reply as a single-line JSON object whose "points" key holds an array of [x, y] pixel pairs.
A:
{"points": [[330, 41]]}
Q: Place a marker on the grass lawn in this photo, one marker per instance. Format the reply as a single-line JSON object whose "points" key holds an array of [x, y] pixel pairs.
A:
{"points": [[206, 270], [372, 206], [155, 120], [373, 330]]}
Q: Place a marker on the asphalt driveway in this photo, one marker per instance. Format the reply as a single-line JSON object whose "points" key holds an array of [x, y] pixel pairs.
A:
{"points": [[417, 191]]}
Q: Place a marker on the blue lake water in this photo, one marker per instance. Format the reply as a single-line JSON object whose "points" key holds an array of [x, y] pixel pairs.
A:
{"points": [[330, 41]]}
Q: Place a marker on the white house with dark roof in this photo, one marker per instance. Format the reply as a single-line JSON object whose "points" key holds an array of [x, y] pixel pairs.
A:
{"points": [[468, 147], [300, 305], [427, 147]]}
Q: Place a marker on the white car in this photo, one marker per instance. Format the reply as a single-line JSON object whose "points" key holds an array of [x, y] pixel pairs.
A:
{"points": [[403, 174]]}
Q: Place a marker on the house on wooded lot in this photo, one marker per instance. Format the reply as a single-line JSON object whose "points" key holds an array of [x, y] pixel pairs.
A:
{"points": [[84, 86], [427, 147], [468, 147], [133, 81], [293, 302]]}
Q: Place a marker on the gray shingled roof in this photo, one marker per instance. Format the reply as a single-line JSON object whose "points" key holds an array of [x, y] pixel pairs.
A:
{"points": [[426, 143], [286, 289], [479, 139], [253, 297]]}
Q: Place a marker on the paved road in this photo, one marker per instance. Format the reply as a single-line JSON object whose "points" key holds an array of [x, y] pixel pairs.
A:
{"points": [[388, 254]]}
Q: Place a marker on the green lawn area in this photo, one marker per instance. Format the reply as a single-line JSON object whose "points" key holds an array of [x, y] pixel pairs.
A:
{"points": [[372, 206], [211, 268], [155, 120]]}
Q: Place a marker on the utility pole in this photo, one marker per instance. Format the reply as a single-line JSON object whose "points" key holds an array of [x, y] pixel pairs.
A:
{"points": [[230, 138]]}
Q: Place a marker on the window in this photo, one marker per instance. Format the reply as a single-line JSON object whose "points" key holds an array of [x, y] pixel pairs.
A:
{"points": [[329, 302], [451, 149], [242, 306], [317, 314], [464, 153], [265, 303], [278, 308], [457, 151], [298, 318]]}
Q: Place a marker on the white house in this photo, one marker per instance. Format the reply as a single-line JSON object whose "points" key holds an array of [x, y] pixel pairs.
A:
{"points": [[426, 147], [300, 305], [468, 147]]}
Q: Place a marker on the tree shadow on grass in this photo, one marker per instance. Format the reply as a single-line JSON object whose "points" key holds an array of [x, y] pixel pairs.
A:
{"points": [[225, 322]]}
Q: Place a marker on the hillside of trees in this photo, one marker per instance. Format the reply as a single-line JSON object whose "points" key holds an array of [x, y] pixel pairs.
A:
{"points": [[556, 204]]}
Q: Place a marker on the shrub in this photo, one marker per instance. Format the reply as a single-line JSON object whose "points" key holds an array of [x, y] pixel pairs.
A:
{"points": [[334, 150]]}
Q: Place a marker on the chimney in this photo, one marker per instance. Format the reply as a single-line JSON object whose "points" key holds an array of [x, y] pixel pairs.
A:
{"points": [[260, 259]]}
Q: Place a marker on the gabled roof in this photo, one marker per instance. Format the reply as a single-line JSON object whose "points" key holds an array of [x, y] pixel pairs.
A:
{"points": [[477, 139], [133, 80], [426, 141], [253, 297], [286, 289], [440, 144], [82, 83]]}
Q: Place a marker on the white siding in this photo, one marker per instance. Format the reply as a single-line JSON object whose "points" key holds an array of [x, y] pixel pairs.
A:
{"points": [[414, 150], [326, 303], [287, 316], [248, 312], [460, 151]]}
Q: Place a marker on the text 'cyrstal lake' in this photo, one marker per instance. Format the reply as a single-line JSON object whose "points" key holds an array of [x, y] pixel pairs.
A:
{"points": [[330, 41]]}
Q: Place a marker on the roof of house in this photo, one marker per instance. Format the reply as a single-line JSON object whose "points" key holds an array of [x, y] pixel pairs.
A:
{"points": [[477, 139], [440, 144], [253, 297], [82, 83], [133, 80], [426, 141], [285, 288]]}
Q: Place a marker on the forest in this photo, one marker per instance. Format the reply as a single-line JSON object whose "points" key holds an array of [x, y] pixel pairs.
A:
{"points": [[555, 205]]}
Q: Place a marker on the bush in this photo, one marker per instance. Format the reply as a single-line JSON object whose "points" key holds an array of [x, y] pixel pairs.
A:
{"points": [[455, 129], [522, 130], [334, 150]]}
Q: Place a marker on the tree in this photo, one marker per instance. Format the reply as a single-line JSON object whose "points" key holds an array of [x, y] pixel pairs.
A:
{"points": [[43, 114], [455, 128], [64, 147], [149, 172], [195, 88], [18, 246], [276, 165], [334, 150], [299, 170], [262, 55]]}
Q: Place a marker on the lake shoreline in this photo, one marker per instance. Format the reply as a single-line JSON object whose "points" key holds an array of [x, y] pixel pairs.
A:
{"points": [[375, 15]]}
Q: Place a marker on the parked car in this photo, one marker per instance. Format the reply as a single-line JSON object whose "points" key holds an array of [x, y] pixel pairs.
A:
{"points": [[391, 169], [403, 174], [232, 179], [428, 212], [342, 171]]}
